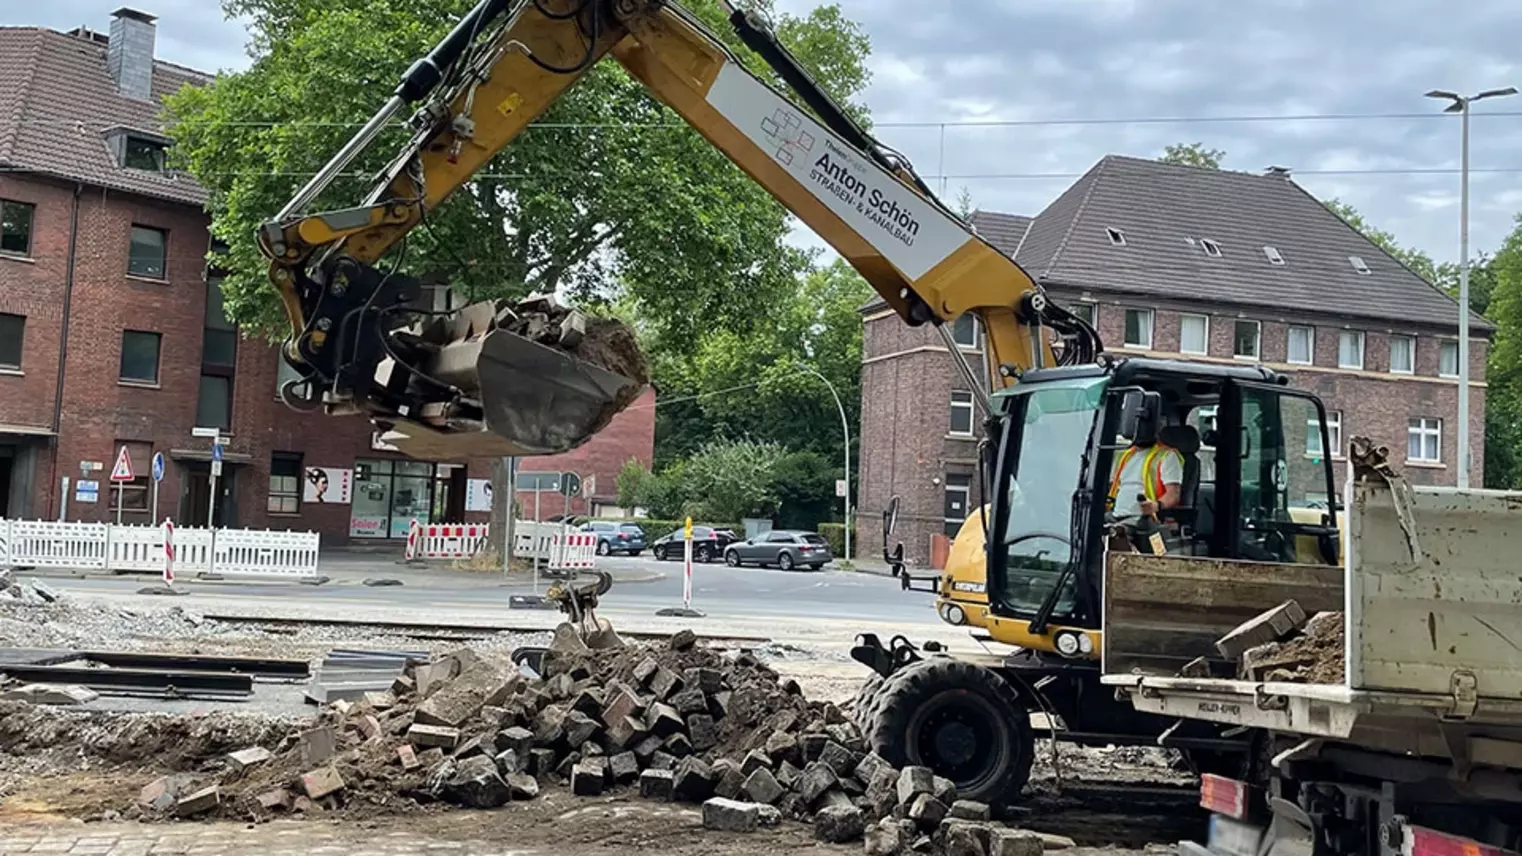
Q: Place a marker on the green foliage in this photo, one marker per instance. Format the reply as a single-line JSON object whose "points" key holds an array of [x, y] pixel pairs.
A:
{"points": [[659, 527], [805, 486], [732, 481], [835, 534], [1503, 395], [1193, 154], [628, 205]]}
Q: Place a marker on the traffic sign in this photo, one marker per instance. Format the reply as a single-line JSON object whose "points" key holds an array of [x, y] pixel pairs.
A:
{"points": [[570, 485], [216, 453], [216, 467], [840, 487], [158, 466], [122, 472]]}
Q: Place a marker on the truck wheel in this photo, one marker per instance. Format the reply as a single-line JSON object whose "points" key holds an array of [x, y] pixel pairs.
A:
{"points": [[963, 721], [864, 707]]}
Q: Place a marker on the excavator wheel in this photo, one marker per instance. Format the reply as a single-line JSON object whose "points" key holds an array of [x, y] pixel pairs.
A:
{"points": [[965, 722], [863, 711]]}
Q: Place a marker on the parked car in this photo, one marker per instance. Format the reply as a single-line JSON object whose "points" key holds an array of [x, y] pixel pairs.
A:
{"points": [[708, 544], [616, 537], [785, 548]]}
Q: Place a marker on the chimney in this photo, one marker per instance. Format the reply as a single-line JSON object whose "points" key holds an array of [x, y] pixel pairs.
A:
{"points": [[1277, 172], [129, 54]]}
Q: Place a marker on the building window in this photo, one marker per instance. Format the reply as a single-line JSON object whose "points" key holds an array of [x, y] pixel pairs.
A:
{"points": [[1117, 237], [1301, 346], [147, 257], [16, 227], [285, 483], [1402, 354], [958, 496], [1424, 440], [1448, 359], [1244, 339], [1194, 334], [1138, 328], [143, 154], [1350, 349], [219, 358], [1273, 255], [964, 330], [1087, 311], [12, 331], [1210, 247], [140, 357], [1359, 265], [1333, 433], [961, 413]]}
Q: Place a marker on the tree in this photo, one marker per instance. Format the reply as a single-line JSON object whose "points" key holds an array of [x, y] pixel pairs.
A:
{"points": [[805, 485], [1503, 375], [754, 384], [1193, 154], [612, 197], [729, 481]]}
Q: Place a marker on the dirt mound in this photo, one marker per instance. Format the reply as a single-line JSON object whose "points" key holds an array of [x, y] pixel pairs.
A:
{"points": [[1314, 656]]}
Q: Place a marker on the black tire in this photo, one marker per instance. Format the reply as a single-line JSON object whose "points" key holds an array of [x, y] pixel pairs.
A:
{"points": [[603, 548], [785, 560], [633, 553], [864, 708], [659, 553], [732, 558], [816, 567], [703, 553], [963, 721]]}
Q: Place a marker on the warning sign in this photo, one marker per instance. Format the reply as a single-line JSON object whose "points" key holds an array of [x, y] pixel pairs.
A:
{"points": [[122, 471]]}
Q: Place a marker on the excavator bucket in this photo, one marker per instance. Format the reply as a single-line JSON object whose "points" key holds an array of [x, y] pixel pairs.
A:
{"points": [[534, 398]]}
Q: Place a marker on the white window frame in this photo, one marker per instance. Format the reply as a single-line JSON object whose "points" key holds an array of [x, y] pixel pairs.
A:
{"points": [[1086, 306], [1117, 237], [961, 399], [1210, 247], [1205, 349], [1310, 345], [1257, 346], [972, 324], [1360, 266], [1362, 346], [948, 488], [1333, 432], [1273, 255], [1442, 348], [1151, 316], [1422, 428], [1411, 368]]}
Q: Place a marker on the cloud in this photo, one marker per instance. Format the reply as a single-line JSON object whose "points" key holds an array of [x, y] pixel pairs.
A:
{"points": [[1000, 63]]}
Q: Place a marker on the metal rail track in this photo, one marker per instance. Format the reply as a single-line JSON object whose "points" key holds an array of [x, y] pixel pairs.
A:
{"points": [[462, 631]]}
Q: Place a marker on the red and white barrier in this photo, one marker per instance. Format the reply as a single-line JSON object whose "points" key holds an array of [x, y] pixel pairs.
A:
{"points": [[168, 552], [574, 551], [445, 540]]}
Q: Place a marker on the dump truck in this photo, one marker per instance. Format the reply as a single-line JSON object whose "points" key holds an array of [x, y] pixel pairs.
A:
{"points": [[1393, 724]]}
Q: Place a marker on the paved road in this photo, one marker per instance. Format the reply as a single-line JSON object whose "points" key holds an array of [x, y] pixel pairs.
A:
{"points": [[729, 596]]}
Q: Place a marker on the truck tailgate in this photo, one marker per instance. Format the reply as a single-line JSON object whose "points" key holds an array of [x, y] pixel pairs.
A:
{"points": [[1447, 620]]}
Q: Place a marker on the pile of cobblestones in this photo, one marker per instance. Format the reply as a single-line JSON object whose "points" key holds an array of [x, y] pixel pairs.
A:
{"points": [[673, 722]]}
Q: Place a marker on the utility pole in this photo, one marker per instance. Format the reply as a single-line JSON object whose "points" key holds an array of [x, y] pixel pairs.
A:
{"points": [[1460, 104], [845, 433]]}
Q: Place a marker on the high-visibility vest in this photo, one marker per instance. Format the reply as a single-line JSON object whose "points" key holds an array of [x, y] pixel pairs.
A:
{"points": [[1152, 464]]}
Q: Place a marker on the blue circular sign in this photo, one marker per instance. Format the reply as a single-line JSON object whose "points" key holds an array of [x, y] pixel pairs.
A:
{"points": [[158, 466]]}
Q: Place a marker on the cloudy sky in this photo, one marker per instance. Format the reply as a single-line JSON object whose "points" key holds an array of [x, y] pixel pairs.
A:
{"points": [[1013, 98]]}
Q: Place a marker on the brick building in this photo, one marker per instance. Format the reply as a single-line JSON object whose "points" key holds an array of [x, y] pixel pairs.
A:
{"points": [[111, 334], [1195, 264]]}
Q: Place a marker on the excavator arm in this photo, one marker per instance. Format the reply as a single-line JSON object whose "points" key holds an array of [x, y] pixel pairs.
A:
{"points": [[533, 378]]}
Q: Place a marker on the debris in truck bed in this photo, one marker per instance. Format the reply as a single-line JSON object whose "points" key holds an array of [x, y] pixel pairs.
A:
{"points": [[1314, 656], [1269, 626]]}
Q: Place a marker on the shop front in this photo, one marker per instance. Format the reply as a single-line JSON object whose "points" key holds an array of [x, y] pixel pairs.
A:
{"points": [[390, 493]]}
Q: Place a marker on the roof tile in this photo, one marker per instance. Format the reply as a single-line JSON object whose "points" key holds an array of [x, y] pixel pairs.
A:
{"points": [[57, 100]]}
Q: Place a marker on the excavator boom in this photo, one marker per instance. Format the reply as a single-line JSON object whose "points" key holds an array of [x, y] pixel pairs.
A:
{"points": [[534, 378]]}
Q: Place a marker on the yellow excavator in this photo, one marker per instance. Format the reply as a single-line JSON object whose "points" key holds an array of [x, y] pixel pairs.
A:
{"points": [[533, 377]]}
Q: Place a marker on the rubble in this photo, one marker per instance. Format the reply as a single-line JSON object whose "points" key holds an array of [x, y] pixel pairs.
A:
{"points": [[1315, 655], [51, 694], [730, 815], [838, 824]]}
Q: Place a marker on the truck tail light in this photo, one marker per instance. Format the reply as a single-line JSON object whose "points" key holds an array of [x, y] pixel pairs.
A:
{"points": [[1426, 842], [1223, 796]]}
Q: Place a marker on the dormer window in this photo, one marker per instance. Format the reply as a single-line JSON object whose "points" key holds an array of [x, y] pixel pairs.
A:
{"points": [[1211, 248], [1117, 237], [139, 150], [143, 154], [1359, 265]]}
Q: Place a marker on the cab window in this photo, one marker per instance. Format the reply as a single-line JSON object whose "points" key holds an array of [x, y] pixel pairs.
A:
{"points": [[1282, 491]]}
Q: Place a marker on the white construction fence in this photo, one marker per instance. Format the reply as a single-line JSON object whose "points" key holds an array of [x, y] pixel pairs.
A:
{"points": [[551, 542], [109, 547]]}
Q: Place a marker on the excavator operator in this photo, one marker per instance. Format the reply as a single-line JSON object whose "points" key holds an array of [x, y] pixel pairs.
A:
{"points": [[1147, 476]]}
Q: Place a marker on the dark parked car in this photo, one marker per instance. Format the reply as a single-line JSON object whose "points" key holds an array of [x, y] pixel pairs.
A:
{"points": [[707, 544], [616, 537], [785, 548]]}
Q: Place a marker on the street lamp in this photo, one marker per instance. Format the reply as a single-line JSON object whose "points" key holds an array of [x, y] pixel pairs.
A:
{"points": [[845, 431], [1460, 104]]}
